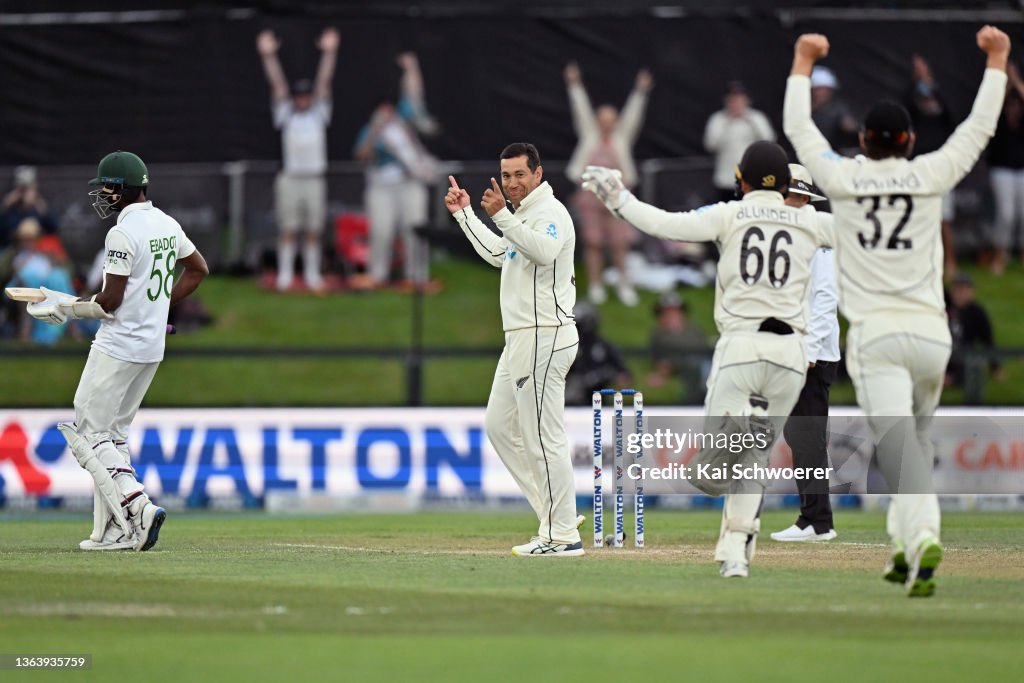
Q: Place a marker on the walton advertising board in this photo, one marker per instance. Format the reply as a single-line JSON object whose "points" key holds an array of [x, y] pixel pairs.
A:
{"points": [[396, 458]]}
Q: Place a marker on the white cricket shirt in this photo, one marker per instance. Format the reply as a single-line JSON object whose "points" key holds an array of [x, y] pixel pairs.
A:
{"points": [[535, 254], [888, 213], [144, 244], [765, 248], [822, 340], [303, 136]]}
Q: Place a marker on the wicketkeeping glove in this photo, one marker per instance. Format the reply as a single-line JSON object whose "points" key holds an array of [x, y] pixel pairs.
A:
{"points": [[606, 183]]}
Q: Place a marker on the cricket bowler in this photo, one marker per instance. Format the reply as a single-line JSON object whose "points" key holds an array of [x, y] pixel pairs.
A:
{"points": [[525, 418]]}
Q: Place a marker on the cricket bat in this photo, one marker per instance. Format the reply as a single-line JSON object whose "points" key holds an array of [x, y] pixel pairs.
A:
{"points": [[29, 294]]}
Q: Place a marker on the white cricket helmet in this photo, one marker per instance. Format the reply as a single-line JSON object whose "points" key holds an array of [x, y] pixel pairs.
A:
{"points": [[801, 183]]}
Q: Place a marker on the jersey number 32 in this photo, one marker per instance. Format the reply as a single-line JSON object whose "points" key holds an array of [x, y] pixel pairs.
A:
{"points": [[894, 241]]}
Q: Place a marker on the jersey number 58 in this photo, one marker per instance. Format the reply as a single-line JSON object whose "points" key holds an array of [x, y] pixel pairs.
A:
{"points": [[164, 277]]}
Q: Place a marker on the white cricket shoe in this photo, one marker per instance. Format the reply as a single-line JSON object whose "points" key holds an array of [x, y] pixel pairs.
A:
{"points": [[147, 526], [805, 535], [734, 568], [596, 294], [541, 548], [113, 539], [628, 295]]}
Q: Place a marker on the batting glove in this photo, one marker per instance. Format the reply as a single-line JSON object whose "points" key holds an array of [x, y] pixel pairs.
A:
{"points": [[48, 311], [606, 183]]}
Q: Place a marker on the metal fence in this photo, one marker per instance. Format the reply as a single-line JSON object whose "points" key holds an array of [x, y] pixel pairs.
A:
{"points": [[227, 211]]}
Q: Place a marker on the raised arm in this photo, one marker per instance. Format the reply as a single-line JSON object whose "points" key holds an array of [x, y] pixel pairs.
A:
{"points": [[584, 121], [414, 92], [700, 225], [631, 120], [1015, 80], [810, 145], [487, 245], [267, 45], [328, 44], [951, 162]]}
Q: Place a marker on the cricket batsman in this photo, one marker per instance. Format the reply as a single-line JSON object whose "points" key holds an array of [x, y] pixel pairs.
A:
{"points": [[143, 249], [525, 418]]}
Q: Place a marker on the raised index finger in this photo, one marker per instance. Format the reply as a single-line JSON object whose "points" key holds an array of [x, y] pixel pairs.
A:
{"points": [[451, 179], [494, 184]]}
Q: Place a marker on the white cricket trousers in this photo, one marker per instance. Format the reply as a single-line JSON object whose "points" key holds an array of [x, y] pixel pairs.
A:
{"points": [[393, 210], [1008, 193], [898, 365], [752, 373], [755, 380], [525, 423], [109, 394]]}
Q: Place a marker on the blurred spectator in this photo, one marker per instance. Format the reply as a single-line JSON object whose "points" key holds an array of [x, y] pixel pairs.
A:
{"points": [[36, 261], [933, 123], [973, 341], [605, 138], [598, 363], [679, 348], [1006, 171], [300, 192], [831, 115], [729, 132], [24, 201], [398, 171]]}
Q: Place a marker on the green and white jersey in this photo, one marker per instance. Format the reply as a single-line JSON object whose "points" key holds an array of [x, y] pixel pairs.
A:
{"points": [[888, 212], [144, 244]]}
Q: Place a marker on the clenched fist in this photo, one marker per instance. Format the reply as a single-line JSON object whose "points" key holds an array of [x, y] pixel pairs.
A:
{"points": [[812, 46], [267, 43], [996, 45]]}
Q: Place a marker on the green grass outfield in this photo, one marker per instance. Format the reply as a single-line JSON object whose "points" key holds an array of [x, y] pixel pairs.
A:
{"points": [[437, 596], [464, 315]]}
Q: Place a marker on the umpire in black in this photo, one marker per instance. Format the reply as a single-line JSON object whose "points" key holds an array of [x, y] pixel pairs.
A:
{"points": [[806, 430]]}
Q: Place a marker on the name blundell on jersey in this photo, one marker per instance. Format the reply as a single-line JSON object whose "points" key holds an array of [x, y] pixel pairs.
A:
{"points": [[751, 212]]}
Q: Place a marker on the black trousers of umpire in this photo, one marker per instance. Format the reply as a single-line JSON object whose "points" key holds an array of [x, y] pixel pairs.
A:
{"points": [[807, 436]]}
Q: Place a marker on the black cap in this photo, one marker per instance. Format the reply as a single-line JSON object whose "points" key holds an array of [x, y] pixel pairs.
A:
{"points": [[887, 124], [764, 166], [303, 87]]}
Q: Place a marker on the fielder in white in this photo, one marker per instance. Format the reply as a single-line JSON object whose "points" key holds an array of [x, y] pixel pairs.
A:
{"points": [[760, 362], [139, 286], [525, 418], [888, 216]]}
